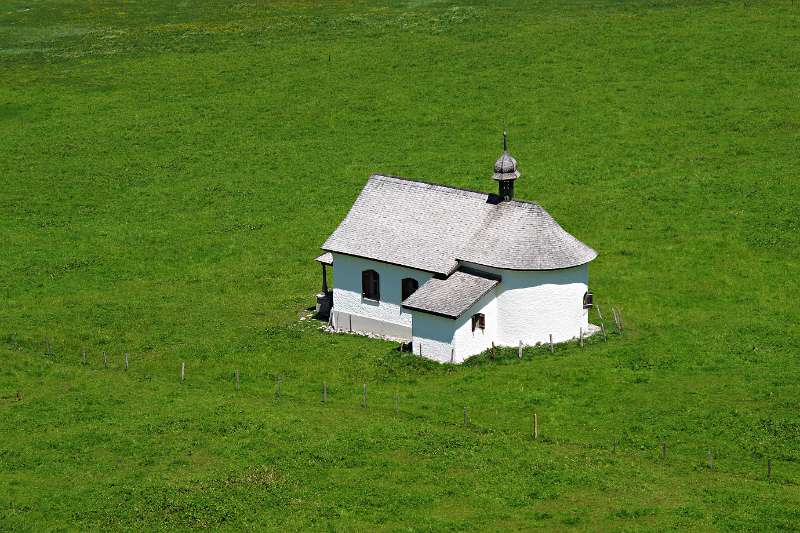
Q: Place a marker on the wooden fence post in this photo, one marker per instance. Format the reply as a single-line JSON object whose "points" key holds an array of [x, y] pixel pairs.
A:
{"points": [[519, 350], [183, 371], [602, 323], [535, 426], [552, 349]]}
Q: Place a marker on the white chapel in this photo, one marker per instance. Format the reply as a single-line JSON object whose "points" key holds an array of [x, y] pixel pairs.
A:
{"points": [[454, 270]]}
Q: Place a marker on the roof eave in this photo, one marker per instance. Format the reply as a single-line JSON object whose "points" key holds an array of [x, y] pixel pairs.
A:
{"points": [[442, 272], [429, 312], [520, 269], [505, 176]]}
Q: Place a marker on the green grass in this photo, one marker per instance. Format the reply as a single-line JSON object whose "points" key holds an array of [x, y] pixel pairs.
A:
{"points": [[169, 170]]}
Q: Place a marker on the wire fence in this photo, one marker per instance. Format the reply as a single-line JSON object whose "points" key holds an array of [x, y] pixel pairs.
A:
{"points": [[387, 401]]}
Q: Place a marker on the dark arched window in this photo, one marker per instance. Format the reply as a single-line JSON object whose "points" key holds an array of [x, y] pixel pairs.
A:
{"points": [[370, 285], [587, 300], [408, 286]]}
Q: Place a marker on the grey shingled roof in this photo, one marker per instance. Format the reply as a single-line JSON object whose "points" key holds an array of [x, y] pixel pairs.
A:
{"points": [[449, 297], [431, 227]]}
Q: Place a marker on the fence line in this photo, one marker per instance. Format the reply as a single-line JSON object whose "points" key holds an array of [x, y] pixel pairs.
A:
{"points": [[468, 423]]}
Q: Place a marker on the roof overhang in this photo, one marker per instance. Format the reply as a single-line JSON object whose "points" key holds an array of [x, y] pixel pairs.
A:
{"points": [[404, 265], [325, 259]]}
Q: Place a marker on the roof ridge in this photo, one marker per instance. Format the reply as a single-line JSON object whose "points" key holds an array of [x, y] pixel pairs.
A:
{"points": [[440, 186], [423, 182]]}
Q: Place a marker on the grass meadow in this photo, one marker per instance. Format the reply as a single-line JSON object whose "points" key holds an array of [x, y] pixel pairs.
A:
{"points": [[168, 171]]}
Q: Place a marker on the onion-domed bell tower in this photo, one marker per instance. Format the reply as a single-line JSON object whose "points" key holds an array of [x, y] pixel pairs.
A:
{"points": [[505, 172]]}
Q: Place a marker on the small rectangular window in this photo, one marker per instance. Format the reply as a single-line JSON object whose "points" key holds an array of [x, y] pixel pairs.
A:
{"points": [[587, 300], [478, 321]]}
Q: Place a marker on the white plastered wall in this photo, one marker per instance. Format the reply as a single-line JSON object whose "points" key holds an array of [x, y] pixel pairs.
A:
{"points": [[531, 305], [467, 342], [347, 289], [436, 337], [432, 336], [526, 306]]}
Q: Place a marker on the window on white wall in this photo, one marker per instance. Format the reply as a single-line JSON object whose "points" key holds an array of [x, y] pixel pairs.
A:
{"points": [[587, 300], [478, 321], [408, 286], [370, 285]]}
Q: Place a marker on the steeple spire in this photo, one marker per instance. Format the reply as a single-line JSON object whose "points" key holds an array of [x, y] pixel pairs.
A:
{"points": [[505, 172]]}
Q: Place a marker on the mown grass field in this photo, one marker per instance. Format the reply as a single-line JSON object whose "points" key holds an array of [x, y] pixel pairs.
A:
{"points": [[168, 171]]}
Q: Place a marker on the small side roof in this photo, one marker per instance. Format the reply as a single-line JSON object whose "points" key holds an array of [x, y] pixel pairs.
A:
{"points": [[325, 259], [449, 297]]}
